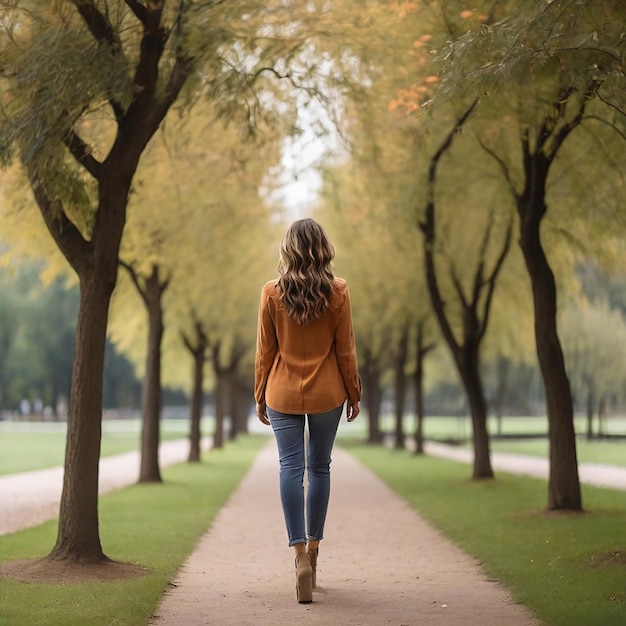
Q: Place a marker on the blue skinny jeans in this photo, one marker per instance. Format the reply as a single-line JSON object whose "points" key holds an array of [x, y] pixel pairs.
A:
{"points": [[289, 433]]}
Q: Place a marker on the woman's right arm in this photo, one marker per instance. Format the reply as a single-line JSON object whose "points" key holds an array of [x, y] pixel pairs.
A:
{"points": [[266, 348]]}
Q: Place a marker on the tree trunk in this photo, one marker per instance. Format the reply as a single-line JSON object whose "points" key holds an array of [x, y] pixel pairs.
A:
{"points": [[78, 536], [418, 381], [240, 405], [503, 378], [400, 386], [372, 394], [602, 415], [196, 405], [151, 391], [220, 409], [477, 305], [232, 404], [466, 357], [563, 485], [590, 404], [478, 410], [95, 260]]}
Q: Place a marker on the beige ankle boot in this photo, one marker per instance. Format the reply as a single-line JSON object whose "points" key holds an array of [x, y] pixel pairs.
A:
{"points": [[304, 579], [313, 558]]}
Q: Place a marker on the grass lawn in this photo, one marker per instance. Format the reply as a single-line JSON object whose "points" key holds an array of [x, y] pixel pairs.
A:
{"points": [[569, 568], [612, 452], [26, 446], [595, 451], [156, 526]]}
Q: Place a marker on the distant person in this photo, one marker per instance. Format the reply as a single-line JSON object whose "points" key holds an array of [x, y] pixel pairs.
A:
{"points": [[24, 408], [306, 367]]}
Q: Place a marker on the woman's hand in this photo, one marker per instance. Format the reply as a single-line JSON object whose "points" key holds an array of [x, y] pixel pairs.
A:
{"points": [[352, 411], [261, 411]]}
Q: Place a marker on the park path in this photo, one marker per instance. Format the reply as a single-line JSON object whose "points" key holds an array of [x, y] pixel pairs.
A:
{"points": [[31, 498], [596, 474], [380, 563]]}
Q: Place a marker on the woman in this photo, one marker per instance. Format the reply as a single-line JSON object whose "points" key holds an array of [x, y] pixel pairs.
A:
{"points": [[305, 367]]}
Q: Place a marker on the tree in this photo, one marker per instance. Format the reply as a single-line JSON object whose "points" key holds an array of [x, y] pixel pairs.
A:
{"points": [[401, 357], [90, 243], [554, 68], [367, 258], [422, 348], [474, 305], [67, 67], [151, 290], [197, 344], [192, 204]]}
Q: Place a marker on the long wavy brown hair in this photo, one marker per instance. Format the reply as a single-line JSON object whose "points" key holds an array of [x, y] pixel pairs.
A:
{"points": [[305, 266]]}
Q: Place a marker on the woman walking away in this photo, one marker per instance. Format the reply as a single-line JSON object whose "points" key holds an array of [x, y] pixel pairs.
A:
{"points": [[305, 367]]}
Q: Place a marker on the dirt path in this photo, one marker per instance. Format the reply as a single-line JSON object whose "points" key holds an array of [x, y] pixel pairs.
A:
{"points": [[31, 498], [597, 474], [380, 563]]}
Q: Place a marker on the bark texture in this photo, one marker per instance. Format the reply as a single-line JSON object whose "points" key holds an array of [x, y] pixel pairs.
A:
{"points": [[78, 536], [372, 396], [563, 483], [401, 357], [151, 290], [421, 350], [197, 347]]}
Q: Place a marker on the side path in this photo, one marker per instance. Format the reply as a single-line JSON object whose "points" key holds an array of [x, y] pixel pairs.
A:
{"points": [[31, 498], [596, 474], [380, 563]]}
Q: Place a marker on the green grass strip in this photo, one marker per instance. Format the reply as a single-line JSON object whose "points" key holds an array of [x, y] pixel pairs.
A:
{"points": [[156, 526], [31, 446], [594, 451], [569, 568]]}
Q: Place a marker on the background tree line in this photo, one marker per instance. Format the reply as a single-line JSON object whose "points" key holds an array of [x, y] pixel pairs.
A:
{"points": [[37, 326]]}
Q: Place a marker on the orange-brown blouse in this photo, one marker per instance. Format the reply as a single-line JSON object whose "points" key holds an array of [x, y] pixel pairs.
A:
{"points": [[305, 369]]}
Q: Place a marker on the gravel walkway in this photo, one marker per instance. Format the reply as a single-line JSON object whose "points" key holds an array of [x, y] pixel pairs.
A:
{"points": [[596, 474], [380, 563], [30, 498]]}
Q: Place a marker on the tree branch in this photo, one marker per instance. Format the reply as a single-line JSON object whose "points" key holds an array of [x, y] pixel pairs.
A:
{"points": [[604, 49], [151, 49], [457, 286], [563, 132], [135, 278], [138, 9], [491, 281], [82, 153], [596, 118], [610, 104], [73, 245], [102, 30], [504, 168], [482, 254], [98, 24], [434, 162], [427, 226]]}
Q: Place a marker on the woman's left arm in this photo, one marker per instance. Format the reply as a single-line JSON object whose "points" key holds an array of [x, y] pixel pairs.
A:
{"points": [[345, 347]]}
